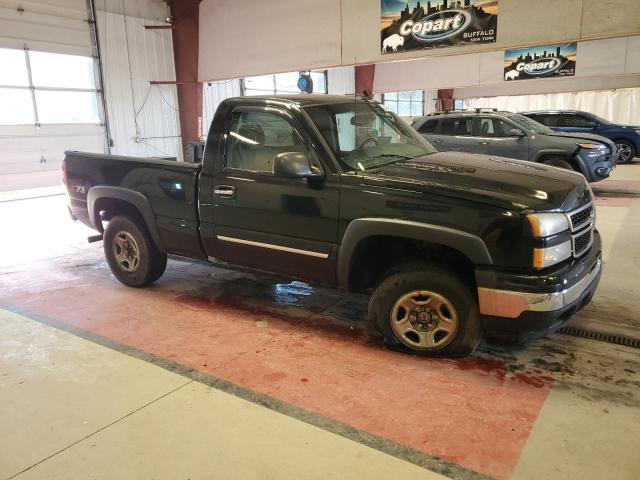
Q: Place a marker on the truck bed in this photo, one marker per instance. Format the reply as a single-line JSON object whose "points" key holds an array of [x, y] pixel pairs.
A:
{"points": [[170, 188]]}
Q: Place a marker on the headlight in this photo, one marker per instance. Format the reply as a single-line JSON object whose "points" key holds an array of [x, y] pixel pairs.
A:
{"points": [[591, 146], [545, 257], [637, 132], [546, 224]]}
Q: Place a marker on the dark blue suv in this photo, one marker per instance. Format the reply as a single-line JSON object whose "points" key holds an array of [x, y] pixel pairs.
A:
{"points": [[626, 138]]}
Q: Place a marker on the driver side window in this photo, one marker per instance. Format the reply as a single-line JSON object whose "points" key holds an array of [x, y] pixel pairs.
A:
{"points": [[256, 138]]}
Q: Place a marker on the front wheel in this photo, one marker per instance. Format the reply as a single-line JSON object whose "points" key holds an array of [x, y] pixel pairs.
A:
{"points": [[132, 255], [426, 311], [626, 151]]}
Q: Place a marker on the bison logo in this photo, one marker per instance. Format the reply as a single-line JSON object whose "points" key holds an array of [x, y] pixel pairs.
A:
{"points": [[511, 75], [393, 42]]}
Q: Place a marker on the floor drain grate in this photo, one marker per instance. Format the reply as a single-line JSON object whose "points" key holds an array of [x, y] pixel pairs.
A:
{"points": [[603, 337]]}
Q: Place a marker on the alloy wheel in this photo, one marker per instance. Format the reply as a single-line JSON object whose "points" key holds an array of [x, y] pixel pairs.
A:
{"points": [[624, 152]]}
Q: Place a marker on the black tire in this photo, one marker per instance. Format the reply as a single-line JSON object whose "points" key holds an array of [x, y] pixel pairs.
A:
{"points": [[440, 284], [146, 263], [559, 162], [628, 148]]}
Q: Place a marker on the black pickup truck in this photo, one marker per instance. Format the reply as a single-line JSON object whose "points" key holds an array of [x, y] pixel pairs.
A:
{"points": [[340, 191]]}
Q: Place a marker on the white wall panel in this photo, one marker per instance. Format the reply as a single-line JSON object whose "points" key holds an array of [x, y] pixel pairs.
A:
{"points": [[213, 93], [602, 57], [441, 72], [632, 62], [341, 81], [520, 23], [254, 37], [600, 64], [551, 85], [144, 118]]}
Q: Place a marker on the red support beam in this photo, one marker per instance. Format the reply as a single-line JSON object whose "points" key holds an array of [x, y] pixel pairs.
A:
{"points": [[364, 79], [185, 52], [445, 99]]}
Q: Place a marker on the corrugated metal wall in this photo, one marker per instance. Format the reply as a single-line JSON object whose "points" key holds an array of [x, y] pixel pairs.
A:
{"points": [[143, 118], [341, 81], [214, 93]]}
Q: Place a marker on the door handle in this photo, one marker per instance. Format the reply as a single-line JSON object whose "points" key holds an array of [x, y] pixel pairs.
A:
{"points": [[483, 143], [224, 191], [437, 141]]}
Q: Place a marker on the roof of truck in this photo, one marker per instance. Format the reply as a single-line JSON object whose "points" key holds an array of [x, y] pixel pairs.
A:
{"points": [[304, 99]]}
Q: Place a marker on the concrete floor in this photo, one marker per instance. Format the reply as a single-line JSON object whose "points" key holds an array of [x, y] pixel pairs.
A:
{"points": [[217, 373]]}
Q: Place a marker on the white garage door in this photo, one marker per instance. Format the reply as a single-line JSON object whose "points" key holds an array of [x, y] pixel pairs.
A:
{"points": [[48, 99]]}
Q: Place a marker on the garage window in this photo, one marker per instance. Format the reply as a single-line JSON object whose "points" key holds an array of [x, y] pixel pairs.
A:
{"points": [[405, 104], [282, 83], [42, 87]]}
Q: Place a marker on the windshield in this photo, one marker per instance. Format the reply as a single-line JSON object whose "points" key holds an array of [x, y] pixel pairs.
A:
{"points": [[363, 135], [528, 123]]}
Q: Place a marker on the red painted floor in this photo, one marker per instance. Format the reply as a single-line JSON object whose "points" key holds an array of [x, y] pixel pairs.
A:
{"points": [[473, 412]]}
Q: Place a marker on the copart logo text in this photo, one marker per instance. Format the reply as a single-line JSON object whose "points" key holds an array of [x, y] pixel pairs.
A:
{"points": [[447, 24], [541, 66]]}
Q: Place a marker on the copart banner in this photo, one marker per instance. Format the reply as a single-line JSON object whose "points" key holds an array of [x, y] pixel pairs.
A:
{"points": [[557, 60], [415, 25]]}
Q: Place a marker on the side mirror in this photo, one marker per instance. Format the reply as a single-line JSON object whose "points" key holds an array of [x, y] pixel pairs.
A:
{"points": [[294, 165], [516, 132], [593, 124]]}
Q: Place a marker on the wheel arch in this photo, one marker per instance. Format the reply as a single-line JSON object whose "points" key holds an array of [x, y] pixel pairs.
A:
{"points": [[119, 200], [469, 247]]}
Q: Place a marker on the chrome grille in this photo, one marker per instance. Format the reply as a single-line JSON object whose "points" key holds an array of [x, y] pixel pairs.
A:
{"points": [[582, 222], [582, 242], [581, 217]]}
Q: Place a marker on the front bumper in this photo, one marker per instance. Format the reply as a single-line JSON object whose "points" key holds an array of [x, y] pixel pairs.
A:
{"points": [[596, 167], [541, 303]]}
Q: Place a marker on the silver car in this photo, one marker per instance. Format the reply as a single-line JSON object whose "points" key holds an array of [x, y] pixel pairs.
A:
{"points": [[511, 135]]}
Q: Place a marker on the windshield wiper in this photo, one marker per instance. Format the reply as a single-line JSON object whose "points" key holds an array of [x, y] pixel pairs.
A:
{"points": [[391, 155], [385, 155]]}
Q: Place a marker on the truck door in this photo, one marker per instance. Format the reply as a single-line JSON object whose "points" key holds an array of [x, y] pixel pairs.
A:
{"points": [[496, 137], [257, 219]]}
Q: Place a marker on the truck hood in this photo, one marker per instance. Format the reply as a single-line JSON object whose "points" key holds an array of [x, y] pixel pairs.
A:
{"points": [[502, 182]]}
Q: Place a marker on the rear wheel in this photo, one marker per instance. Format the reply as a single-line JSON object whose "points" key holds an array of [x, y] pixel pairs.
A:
{"points": [[132, 255], [559, 162], [626, 151], [426, 310]]}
